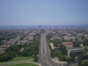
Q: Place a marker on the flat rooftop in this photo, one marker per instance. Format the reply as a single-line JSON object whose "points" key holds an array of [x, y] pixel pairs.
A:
{"points": [[76, 48]]}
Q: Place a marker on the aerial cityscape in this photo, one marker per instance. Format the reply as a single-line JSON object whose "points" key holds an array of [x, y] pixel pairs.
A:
{"points": [[43, 33]]}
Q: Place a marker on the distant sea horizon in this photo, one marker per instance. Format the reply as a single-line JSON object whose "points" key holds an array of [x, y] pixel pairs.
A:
{"points": [[42, 26]]}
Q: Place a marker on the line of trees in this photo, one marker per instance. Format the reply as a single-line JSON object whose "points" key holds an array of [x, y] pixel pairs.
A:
{"points": [[7, 56]]}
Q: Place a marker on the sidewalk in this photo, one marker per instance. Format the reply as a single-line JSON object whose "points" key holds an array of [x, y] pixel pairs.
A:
{"points": [[57, 61]]}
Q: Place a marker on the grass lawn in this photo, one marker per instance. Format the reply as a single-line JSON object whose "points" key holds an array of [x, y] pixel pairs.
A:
{"points": [[19, 58], [24, 64], [86, 46]]}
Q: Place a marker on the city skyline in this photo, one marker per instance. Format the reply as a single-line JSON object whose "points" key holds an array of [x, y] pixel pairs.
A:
{"points": [[43, 12]]}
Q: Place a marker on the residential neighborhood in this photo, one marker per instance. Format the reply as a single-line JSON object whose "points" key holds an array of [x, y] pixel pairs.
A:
{"points": [[73, 42]]}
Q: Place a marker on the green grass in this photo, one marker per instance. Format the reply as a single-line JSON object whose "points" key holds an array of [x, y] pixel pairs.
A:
{"points": [[19, 58], [24, 64], [86, 46]]}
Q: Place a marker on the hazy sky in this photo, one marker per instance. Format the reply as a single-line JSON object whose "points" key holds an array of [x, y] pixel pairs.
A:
{"points": [[43, 12]]}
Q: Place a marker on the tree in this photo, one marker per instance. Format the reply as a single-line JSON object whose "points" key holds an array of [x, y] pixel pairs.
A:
{"points": [[85, 56], [68, 60], [79, 60], [35, 58], [73, 59], [56, 42], [7, 56], [76, 44], [63, 50], [25, 53], [62, 58], [0, 42], [72, 54], [14, 48], [53, 53], [84, 63], [85, 42]]}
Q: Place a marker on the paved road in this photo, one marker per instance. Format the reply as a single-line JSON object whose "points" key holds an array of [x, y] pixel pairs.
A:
{"points": [[44, 55]]}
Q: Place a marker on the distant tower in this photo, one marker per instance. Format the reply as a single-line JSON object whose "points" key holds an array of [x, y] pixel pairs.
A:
{"points": [[39, 27]]}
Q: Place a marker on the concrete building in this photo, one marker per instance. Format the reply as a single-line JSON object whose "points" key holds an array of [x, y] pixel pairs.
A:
{"points": [[75, 51]]}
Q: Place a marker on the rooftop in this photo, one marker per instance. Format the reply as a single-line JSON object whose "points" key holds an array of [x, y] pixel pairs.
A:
{"points": [[68, 43]]}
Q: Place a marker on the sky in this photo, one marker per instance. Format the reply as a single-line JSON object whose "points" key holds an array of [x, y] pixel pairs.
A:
{"points": [[43, 12]]}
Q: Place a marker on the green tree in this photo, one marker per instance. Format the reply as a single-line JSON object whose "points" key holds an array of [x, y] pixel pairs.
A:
{"points": [[6, 56], [35, 58], [68, 60], [63, 50], [76, 44], [79, 60], [84, 63], [0, 42]]}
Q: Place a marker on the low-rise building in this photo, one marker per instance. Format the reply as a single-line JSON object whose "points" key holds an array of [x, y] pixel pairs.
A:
{"points": [[78, 51], [68, 44]]}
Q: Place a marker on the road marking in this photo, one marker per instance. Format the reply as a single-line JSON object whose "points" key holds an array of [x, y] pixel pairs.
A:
{"points": [[41, 52], [41, 43], [45, 51], [44, 46], [46, 56]]}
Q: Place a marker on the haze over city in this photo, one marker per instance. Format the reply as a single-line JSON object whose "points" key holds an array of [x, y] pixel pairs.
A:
{"points": [[43, 32], [43, 12]]}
